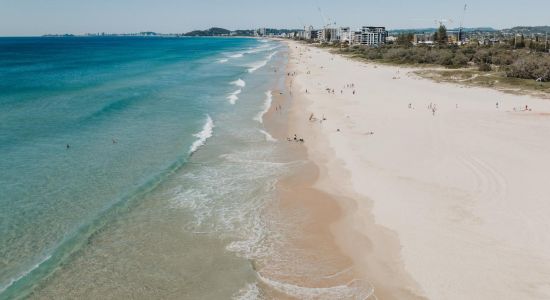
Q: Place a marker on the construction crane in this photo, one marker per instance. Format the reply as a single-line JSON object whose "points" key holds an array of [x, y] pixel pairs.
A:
{"points": [[327, 23], [323, 18], [461, 28]]}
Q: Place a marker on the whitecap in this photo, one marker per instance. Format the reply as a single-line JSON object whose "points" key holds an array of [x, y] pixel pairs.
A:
{"points": [[250, 292], [233, 97], [14, 280], [223, 60], [258, 65], [239, 82], [267, 105], [203, 135], [271, 55], [355, 289], [268, 137]]}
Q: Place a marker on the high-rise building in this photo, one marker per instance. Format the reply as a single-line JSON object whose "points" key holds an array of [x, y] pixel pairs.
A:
{"points": [[373, 36]]}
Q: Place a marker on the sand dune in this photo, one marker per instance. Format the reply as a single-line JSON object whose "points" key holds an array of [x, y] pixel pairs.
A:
{"points": [[454, 203]]}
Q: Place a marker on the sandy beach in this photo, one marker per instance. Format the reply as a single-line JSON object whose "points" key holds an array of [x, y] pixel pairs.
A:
{"points": [[442, 189]]}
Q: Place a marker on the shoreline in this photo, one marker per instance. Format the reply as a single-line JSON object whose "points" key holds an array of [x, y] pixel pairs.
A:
{"points": [[314, 213], [329, 210], [370, 253], [418, 193]]}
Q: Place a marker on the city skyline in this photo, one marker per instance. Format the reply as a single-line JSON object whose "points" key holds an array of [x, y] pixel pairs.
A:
{"points": [[32, 17]]}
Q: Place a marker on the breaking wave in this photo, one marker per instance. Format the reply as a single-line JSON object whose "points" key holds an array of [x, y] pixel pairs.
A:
{"points": [[239, 82], [233, 97], [267, 105], [258, 65], [356, 289], [203, 135], [268, 137]]}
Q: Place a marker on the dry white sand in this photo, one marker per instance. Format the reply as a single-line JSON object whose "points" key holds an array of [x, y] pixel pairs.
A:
{"points": [[467, 190]]}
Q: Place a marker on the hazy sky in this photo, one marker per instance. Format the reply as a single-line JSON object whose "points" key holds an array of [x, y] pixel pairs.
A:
{"points": [[36, 17]]}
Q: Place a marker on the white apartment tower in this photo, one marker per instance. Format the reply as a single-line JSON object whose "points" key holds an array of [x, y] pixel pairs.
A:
{"points": [[373, 36], [345, 35]]}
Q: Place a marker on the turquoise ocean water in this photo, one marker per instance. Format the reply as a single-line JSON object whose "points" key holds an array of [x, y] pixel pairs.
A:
{"points": [[135, 167]]}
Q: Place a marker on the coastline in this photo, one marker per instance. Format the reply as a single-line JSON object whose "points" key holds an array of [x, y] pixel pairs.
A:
{"points": [[401, 228], [310, 263], [373, 251], [327, 230]]}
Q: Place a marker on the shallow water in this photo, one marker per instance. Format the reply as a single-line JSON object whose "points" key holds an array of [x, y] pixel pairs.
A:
{"points": [[127, 171], [141, 168]]}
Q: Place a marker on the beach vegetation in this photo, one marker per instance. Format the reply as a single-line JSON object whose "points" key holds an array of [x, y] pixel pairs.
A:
{"points": [[507, 59]]}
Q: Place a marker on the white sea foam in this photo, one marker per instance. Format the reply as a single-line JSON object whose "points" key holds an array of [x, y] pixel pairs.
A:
{"points": [[355, 289], [203, 135], [261, 48], [257, 65], [250, 292], [268, 137], [233, 97], [260, 64], [223, 60], [267, 105], [258, 49], [239, 82], [14, 280], [270, 56]]}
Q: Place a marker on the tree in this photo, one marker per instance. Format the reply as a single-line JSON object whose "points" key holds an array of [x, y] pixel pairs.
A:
{"points": [[533, 45], [405, 39], [440, 36], [521, 43]]}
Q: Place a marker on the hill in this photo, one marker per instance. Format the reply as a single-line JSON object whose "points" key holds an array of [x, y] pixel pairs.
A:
{"points": [[528, 30], [214, 31]]}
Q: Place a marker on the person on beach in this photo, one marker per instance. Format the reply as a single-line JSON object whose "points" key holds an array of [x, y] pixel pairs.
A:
{"points": [[497, 105]]}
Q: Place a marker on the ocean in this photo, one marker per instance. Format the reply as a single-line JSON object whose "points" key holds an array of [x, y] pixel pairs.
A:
{"points": [[136, 167]]}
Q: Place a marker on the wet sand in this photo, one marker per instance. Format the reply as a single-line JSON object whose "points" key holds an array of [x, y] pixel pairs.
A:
{"points": [[309, 263], [325, 255]]}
